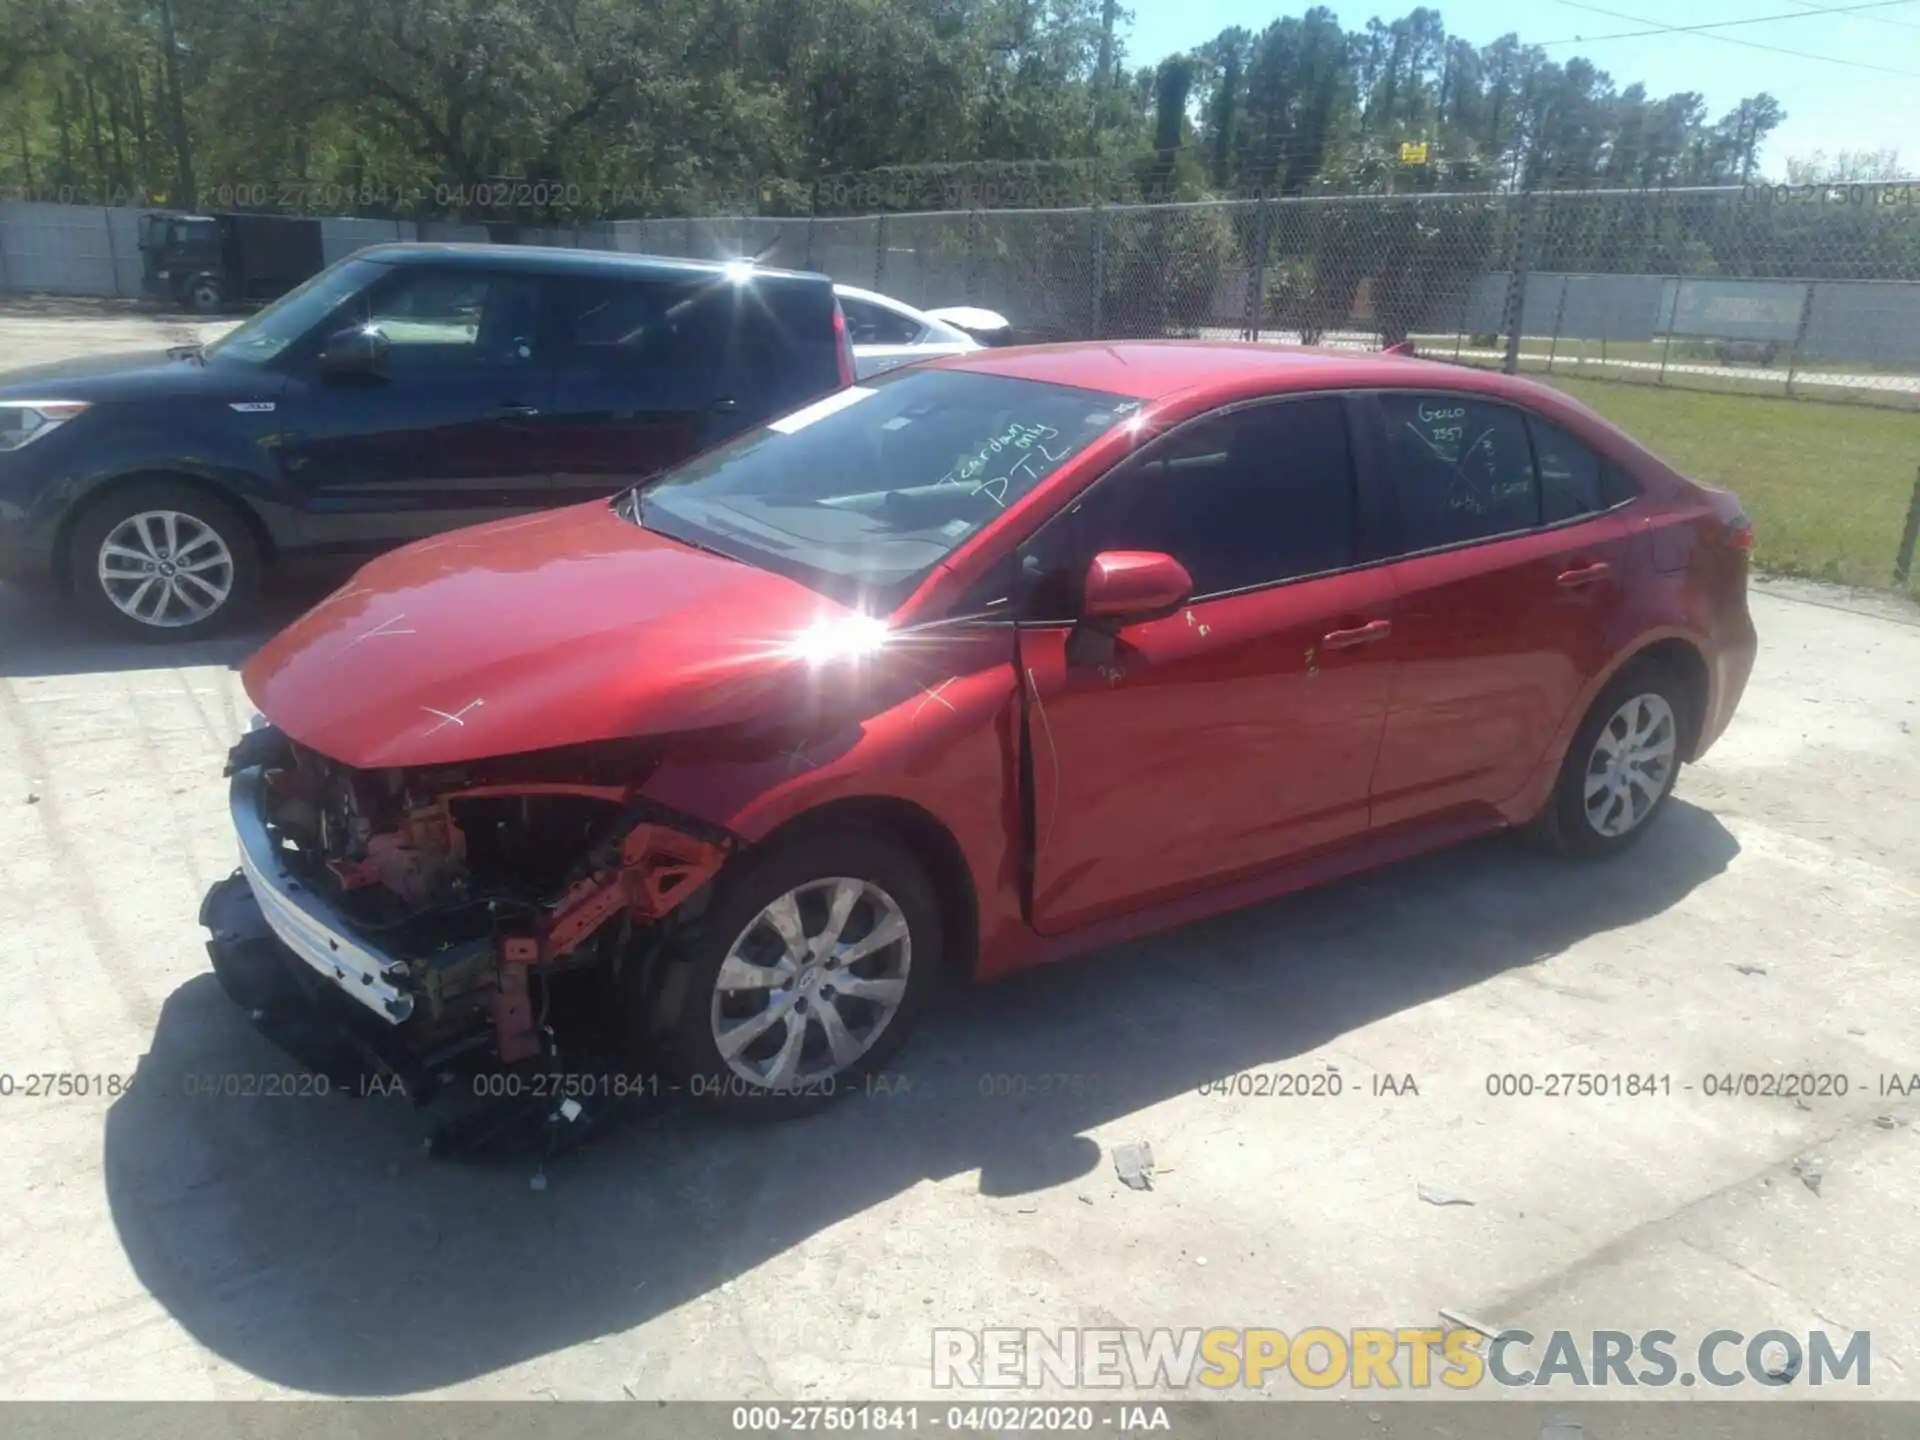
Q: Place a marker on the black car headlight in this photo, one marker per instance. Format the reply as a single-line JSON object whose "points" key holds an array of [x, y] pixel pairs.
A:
{"points": [[24, 421]]}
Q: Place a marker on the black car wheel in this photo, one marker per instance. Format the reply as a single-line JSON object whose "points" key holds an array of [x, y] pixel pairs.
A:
{"points": [[805, 976], [161, 561], [1621, 766], [204, 294]]}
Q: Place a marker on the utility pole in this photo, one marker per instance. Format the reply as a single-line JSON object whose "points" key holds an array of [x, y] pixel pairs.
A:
{"points": [[177, 113], [1109, 13]]}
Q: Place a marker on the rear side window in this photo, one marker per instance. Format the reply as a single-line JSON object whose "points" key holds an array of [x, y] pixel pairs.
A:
{"points": [[1573, 480], [1462, 469], [1570, 474], [642, 324], [1617, 485]]}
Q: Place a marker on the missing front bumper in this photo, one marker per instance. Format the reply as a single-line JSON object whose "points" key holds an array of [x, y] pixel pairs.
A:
{"points": [[306, 923]]}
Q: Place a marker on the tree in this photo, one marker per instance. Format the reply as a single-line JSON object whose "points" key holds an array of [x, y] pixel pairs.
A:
{"points": [[684, 106], [1847, 167]]}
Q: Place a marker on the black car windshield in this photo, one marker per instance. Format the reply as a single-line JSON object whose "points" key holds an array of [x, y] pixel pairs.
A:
{"points": [[861, 494], [264, 335]]}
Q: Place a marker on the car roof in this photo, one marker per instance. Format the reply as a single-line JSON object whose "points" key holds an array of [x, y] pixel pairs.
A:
{"points": [[1197, 375], [562, 260], [1156, 369], [854, 292]]}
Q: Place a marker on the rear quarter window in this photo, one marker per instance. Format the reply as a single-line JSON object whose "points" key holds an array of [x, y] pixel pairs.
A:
{"points": [[871, 324], [796, 313], [785, 351]]}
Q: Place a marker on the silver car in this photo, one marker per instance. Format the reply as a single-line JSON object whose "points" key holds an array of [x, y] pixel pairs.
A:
{"points": [[887, 334]]}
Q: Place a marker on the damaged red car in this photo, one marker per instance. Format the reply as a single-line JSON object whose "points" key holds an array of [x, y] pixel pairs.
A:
{"points": [[982, 663]]}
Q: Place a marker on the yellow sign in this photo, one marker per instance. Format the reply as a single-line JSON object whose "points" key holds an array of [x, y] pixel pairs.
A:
{"points": [[1413, 152]]}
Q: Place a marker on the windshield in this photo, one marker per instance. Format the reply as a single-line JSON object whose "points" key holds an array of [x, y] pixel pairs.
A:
{"points": [[861, 494], [270, 331]]}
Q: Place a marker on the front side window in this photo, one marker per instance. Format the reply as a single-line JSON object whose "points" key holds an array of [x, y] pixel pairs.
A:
{"points": [[299, 312], [1461, 467], [1252, 497], [453, 318], [861, 494]]}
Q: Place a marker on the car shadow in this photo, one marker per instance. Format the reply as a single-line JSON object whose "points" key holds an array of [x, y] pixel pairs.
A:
{"points": [[311, 1242], [41, 634]]}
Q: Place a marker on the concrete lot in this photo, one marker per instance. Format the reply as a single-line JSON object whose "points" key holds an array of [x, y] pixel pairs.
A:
{"points": [[38, 329], [158, 1244]]}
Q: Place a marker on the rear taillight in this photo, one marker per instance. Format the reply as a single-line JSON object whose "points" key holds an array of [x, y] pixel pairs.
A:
{"points": [[842, 344], [1736, 531]]}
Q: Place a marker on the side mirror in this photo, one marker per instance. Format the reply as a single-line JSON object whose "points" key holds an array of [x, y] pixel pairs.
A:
{"points": [[1134, 585], [361, 350]]}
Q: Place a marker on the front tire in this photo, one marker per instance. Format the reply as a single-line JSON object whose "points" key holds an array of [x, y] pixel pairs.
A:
{"points": [[805, 976], [161, 562], [1621, 766]]}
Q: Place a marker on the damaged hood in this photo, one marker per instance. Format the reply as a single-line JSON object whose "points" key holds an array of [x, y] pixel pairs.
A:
{"points": [[527, 634]]}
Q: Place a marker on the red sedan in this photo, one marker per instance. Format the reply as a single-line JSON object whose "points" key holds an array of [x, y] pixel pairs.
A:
{"points": [[956, 672]]}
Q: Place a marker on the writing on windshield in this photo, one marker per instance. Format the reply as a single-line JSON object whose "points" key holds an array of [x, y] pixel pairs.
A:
{"points": [[1007, 458], [864, 492]]}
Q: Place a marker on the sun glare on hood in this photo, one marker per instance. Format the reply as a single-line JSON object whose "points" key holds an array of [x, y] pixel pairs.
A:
{"points": [[849, 637]]}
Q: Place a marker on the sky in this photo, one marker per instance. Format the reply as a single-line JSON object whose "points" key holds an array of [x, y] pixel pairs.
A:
{"points": [[1829, 107]]}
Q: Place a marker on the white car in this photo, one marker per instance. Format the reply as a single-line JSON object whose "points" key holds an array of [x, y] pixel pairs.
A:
{"points": [[887, 334]]}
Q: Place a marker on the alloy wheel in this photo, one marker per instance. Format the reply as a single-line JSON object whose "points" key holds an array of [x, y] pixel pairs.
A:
{"points": [[165, 568], [811, 982], [1631, 764]]}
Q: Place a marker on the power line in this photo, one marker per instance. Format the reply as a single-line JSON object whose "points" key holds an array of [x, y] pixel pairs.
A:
{"points": [[1707, 32], [1808, 5], [1807, 11]]}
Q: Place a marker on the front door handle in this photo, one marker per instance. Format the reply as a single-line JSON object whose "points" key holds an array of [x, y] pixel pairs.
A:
{"points": [[1367, 634], [726, 404], [513, 412], [1584, 574]]}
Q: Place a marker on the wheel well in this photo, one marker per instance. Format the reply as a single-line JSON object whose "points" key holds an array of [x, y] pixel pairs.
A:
{"points": [[1681, 660], [63, 540], [930, 843]]}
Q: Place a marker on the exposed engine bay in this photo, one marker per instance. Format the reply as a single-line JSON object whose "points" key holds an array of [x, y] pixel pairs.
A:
{"points": [[511, 908]]}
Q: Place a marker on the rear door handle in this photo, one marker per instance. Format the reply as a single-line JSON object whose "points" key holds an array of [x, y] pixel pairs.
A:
{"points": [[513, 412], [1367, 634], [1584, 574]]}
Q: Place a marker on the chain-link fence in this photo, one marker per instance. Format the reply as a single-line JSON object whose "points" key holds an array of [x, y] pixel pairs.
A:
{"points": [[1807, 292], [1803, 291], [1812, 293]]}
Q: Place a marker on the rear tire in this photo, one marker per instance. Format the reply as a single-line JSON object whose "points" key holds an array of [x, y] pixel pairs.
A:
{"points": [[770, 1010], [1620, 767], [161, 562]]}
